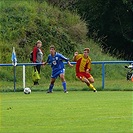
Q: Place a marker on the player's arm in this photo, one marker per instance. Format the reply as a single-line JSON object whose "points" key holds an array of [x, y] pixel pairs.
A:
{"points": [[69, 63], [88, 70], [44, 63], [74, 57], [62, 57], [88, 67], [66, 59], [47, 62]]}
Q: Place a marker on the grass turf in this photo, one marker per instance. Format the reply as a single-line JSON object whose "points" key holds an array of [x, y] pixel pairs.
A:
{"points": [[75, 112], [110, 85]]}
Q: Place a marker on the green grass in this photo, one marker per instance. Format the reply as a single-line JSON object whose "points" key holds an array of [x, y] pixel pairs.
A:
{"points": [[75, 112], [74, 85], [25, 22]]}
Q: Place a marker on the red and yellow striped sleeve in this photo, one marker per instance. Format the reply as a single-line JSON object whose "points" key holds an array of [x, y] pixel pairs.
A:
{"points": [[82, 63]]}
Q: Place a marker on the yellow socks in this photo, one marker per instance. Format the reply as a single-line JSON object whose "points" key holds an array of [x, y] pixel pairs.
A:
{"points": [[92, 87]]}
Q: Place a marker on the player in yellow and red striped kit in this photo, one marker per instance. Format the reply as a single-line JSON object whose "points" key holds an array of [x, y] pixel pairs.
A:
{"points": [[83, 67]]}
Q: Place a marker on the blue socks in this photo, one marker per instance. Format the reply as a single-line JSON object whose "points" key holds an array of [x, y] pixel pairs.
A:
{"points": [[64, 85], [51, 87]]}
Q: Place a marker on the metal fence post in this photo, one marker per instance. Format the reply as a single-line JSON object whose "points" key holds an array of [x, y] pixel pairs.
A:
{"points": [[103, 74], [14, 69], [23, 76]]}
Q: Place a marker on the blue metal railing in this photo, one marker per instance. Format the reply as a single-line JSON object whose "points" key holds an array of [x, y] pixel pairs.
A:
{"points": [[94, 62]]}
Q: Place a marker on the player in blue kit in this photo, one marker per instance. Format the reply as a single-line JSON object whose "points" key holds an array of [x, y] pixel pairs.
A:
{"points": [[56, 61]]}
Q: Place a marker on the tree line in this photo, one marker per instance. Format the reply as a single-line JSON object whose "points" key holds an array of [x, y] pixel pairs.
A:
{"points": [[109, 22]]}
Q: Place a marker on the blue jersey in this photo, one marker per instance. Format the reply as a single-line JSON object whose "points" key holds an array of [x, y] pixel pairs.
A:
{"points": [[56, 63]]}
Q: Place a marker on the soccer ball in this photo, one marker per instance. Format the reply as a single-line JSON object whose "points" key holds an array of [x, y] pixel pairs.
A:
{"points": [[27, 90]]}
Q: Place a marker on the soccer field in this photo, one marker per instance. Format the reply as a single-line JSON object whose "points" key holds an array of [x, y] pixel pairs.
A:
{"points": [[75, 112]]}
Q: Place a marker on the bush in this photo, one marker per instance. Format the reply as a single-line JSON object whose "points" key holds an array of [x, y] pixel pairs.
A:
{"points": [[25, 22]]}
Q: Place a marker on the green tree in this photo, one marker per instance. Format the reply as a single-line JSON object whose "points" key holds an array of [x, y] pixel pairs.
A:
{"points": [[109, 21]]}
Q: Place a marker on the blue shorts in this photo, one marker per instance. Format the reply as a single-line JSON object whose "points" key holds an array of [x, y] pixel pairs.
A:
{"points": [[57, 73]]}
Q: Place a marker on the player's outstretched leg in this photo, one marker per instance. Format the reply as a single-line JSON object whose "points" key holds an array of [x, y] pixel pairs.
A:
{"points": [[50, 90], [62, 77], [64, 86], [89, 84], [92, 87]]}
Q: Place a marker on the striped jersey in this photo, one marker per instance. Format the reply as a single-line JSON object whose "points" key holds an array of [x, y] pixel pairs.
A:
{"points": [[82, 63]]}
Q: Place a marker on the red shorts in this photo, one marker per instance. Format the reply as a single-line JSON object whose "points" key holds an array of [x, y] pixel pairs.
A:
{"points": [[81, 75]]}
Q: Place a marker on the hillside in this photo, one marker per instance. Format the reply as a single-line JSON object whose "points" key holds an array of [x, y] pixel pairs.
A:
{"points": [[25, 22]]}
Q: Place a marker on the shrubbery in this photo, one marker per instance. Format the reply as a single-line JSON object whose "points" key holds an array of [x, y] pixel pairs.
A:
{"points": [[25, 22]]}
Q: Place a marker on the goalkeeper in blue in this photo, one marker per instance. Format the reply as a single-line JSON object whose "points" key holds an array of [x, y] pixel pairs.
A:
{"points": [[56, 61]]}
